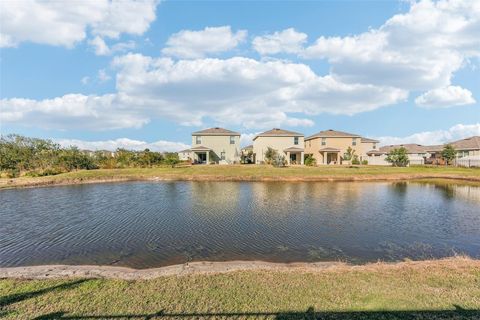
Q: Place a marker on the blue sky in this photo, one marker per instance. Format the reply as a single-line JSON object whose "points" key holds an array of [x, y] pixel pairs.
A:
{"points": [[108, 74]]}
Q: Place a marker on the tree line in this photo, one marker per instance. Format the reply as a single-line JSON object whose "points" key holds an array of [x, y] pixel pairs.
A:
{"points": [[38, 157]]}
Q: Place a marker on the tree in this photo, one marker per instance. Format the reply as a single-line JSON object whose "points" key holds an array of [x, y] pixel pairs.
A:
{"points": [[171, 159], [270, 155], [398, 157], [449, 153], [279, 161]]}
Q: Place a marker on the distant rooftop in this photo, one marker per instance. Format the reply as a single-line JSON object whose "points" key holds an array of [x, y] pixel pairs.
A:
{"points": [[276, 132], [332, 134], [370, 140], [215, 132], [411, 148]]}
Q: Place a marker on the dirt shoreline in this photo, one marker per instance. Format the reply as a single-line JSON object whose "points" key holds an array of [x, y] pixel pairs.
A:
{"points": [[207, 267], [42, 182]]}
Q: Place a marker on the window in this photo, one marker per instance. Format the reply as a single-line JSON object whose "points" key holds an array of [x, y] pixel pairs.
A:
{"points": [[295, 140], [324, 141], [222, 155], [374, 146], [232, 139], [354, 141], [198, 140]]}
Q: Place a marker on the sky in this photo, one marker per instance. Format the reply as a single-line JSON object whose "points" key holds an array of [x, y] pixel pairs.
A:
{"points": [[136, 74]]}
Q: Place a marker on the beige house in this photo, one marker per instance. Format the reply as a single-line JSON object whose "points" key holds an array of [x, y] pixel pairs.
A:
{"points": [[466, 148], [215, 145], [416, 153], [184, 155], [287, 143], [330, 146]]}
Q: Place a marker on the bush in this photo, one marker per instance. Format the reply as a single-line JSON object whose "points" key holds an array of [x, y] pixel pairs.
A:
{"points": [[270, 154], [13, 173], [398, 157], [310, 160], [279, 161], [364, 162], [355, 160]]}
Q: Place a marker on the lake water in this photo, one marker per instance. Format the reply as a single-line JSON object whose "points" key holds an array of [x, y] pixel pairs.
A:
{"points": [[150, 224]]}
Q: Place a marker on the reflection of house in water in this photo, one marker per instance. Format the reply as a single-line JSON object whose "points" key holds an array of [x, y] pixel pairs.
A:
{"points": [[470, 193]]}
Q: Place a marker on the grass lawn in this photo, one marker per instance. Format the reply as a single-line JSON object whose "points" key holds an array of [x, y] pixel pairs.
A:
{"points": [[249, 172], [445, 289]]}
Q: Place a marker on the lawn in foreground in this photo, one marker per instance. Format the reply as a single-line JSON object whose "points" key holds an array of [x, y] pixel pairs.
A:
{"points": [[448, 289]]}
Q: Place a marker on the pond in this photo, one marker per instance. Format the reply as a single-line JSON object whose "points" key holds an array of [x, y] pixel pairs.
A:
{"points": [[152, 224]]}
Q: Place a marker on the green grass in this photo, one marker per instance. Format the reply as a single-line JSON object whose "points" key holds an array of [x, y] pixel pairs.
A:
{"points": [[250, 172], [428, 290]]}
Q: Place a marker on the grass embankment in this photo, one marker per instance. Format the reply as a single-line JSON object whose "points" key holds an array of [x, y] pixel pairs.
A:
{"points": [[447, 288], [249, 173]]}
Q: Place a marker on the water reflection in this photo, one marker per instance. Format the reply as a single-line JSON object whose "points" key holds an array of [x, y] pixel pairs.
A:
{"points": [[153, 224]]}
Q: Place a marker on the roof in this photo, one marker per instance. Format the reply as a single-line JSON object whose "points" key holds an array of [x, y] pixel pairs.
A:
{"points": [[215, 132], [276, 132], [366, 140], [472, 143], [332, 134], [411, 148], [330, 149], [375, 152], [293, 149], [200, 148], [186, 150], [248, 147]]}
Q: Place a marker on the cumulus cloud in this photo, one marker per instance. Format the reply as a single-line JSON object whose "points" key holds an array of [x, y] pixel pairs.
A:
{"points": [[288, 40], [240, 91], [197, 44], [66, 25], [417, 50], [445, 97], [101, 48], [112, 145], [457, 132]]}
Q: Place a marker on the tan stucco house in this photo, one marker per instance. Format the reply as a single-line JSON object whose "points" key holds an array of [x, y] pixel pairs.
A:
{"points": [[329, 146], [215, 145], [185, 155], [287, 143]]}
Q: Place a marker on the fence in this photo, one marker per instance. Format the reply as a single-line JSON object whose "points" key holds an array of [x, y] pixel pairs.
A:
{"points": [[469, 163]]}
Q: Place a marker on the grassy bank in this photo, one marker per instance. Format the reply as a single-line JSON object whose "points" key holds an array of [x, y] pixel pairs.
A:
{"points": [[447, 289], [249, 173]]}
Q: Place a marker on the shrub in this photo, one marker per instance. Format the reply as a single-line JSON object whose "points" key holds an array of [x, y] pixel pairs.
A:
{"points": [[398, 157], [364, 162], [355, 160], [270, 154], [310, 160], [279, 161]]}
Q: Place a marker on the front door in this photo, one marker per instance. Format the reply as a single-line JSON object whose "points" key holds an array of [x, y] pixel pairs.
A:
{"points": [[331, 158], [293, 158]]}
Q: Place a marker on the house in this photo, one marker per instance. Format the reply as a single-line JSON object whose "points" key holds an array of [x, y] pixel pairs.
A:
{"points": [[330, 146], [184, 155], [416, 152], [467, 150], [287, 143], [215, 145]]}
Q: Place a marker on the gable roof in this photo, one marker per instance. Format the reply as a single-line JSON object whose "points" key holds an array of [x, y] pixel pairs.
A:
{"points": [[411, 148], [367, 140], [472, 143], [332, 134], [183, 151], [276, 132], [215, 132]]}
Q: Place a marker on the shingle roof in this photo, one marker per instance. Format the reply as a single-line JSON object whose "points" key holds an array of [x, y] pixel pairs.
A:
{"points": [[293, 149], [215, 132], [472, 143], [186, 150], [330, 149], [375, 152], [411, 148], [333, 134], [200, 148], [370, 140], [276, 132]]}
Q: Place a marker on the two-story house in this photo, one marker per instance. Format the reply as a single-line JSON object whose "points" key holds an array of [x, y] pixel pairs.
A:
{"points": [[330, 146], [215, 145], [287, 143]]}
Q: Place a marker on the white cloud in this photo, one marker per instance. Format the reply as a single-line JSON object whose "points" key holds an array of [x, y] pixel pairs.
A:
{"points": [[445, 97], [247, 138], [236, 91], [85, 80], [197, 44], [102, 49], [103, 76], [54, 23], [457, 132], [112, 145], [288, 40], [418, 50]]}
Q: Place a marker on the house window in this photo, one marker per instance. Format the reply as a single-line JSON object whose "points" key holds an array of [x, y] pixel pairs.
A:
{"points": [[324, 141], [295, 140], [354, 141], [222, 155], [198, 140], [309, 143], [374, 146], [232, 139]]}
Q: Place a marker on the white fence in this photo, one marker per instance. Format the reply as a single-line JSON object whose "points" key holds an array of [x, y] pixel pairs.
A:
{"points": [[469, 163]]}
